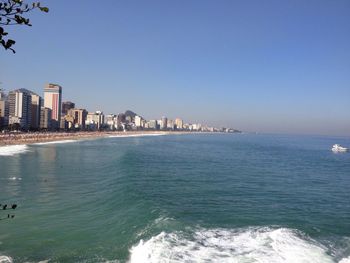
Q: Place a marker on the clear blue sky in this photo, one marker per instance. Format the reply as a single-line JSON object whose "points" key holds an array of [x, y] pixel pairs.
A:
{"points": [[267, 66]]}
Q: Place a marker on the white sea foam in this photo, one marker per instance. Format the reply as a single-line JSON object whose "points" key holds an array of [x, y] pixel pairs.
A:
{"points": [[5, 259], [10, 150], [55, 142], [136, 135], [15, 178], [264, 245], [345, 260]]}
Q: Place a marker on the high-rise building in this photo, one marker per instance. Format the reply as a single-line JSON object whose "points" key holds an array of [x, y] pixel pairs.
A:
{"points": [[66, 106], [170, 124], [121, 118], [20, 102], [63, 123], [2, 95], [4, 112], [138, 121], [152, 124], [45, 118], [164, 123], [53, 101], [35, 111], [179, 123]]}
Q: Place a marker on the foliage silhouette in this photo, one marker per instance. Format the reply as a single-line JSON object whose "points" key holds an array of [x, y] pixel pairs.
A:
{"points": [[11, 13]]}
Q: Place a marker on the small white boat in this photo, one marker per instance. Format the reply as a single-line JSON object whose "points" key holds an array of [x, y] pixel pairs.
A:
{"points": [[339, 148]]}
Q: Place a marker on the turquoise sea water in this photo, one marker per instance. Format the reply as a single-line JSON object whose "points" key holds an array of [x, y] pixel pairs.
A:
{"points": [[178, 198]]}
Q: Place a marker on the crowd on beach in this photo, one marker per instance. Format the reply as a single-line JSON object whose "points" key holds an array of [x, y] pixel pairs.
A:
{"points": [[35, 137]]}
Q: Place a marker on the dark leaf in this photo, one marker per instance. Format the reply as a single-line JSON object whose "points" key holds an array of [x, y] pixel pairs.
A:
{"points": [[44, 9]]}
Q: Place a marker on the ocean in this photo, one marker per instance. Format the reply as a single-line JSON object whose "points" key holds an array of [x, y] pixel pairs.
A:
{"points": [[177, 198]]}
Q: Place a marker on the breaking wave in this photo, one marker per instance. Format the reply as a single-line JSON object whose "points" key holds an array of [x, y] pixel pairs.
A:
{"points": [[15, 178], [136, 135], [5, 259], [55, 142], [11, 150], [345, 260], [264, 245]]}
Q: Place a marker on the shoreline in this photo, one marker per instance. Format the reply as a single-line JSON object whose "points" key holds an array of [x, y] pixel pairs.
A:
{"points": [[38, 137]]}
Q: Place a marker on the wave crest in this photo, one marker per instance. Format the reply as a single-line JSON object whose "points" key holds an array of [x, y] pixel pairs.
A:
{"points": [[5, 259], [11, 150], [345, 260], [55, 142], [136, 135], [263, 245]]}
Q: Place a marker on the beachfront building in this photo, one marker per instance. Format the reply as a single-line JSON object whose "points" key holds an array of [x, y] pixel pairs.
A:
{"points": [[45, 118], [111, 122], [186, 126], [66, 106], [94, 120], [35, 111], [152, 124], [76, 118], [179, 124], [139, 122], [121, 119], [19, 102], [143, 123], [171, 125], [63, 123], [195, 127], [164, 123], [4, 110], [2, 95], [4, 113], [53, 101], [159, 124]]}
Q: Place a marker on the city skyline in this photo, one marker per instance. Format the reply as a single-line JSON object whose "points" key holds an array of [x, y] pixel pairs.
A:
{"points": [[265, 67], [24, 110]]}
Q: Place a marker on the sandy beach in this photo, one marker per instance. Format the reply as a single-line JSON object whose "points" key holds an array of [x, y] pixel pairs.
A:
{"points": [[40, 137]]}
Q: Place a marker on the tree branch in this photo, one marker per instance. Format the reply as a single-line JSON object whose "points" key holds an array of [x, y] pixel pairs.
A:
{"points": [[11, 12]]}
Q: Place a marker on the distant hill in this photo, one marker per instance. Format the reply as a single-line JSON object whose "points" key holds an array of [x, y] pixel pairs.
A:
{"points": [[130, 113]]}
